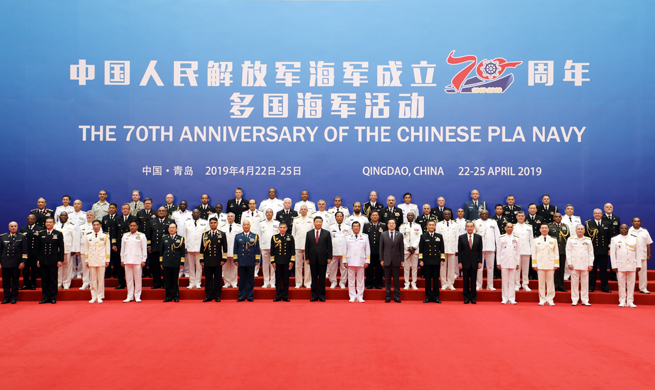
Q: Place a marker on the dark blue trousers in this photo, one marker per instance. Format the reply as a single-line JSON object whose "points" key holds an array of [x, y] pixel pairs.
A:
{"points": [[246, 282]]}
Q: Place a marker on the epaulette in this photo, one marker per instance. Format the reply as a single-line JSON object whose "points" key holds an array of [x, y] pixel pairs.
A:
{"points": [[48, 210], [90, 232], [126, 233], [503, 235], [3, 234], [297, 216]]}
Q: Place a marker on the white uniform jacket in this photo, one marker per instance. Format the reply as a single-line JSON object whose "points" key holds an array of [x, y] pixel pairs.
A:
{"points": [[358, 251]]}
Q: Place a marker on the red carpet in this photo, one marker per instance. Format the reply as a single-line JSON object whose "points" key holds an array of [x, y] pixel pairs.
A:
{"points": [[332, 345]]}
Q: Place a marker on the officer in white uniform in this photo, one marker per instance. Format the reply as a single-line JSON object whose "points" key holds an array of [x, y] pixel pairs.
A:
{"points": [[449, 230], [192, 241], [338, 207], [301, 225], [357, 216], [571, 221], [255, 218], [231, 229], [97, 250], [411, 232], [356, 260], [220, 216], [311, 207], [181, 216], [407, 206], [545, 260], [77, 218], [488, 229], [461, 221], [134, 253], [269, 228], [339, 231], [66, 200], [643, 255], [323, 213], [82, 268], [524, 232], [271, 203], [71, 247], [579, 261], [508, 256], [623, 255]]}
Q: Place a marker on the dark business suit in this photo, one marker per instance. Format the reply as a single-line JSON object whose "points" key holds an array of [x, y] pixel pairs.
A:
{"points": [[318, 254], [30, 270], [470, 257], [391, 255], [51, 251]]}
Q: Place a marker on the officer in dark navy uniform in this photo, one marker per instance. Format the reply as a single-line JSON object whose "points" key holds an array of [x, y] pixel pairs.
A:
{"points": [[246, 254], [427, 216], [213, 254], [155, 230], [510, 210], [431, 256], [13, 254], [146, 215], [171, 258], [615, 224], [534, 220], [500, 219], [547, 210], [283, 257], [205, 208], [237, 205], [42, 213], [391, 212], [31, 233], [122, 226], [375, 271], [372, 205], [50, 245], [600, 233], [110, 226]]}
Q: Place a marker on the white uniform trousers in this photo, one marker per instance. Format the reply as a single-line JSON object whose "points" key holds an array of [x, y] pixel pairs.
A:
{"points": [[567, 273], [256, 269], [524, 269], [192, 259], [86, 278], [546, 282], [488, 258], [457, 272], [133, 278], [509, 280], [229, 273], [626, 282], [643, 279], [411, 263], [356, 280], [448, 271], [267, 269], [65, 272], [76, 264], [97, 282], [185, 270], [333, 267], [579, 282], [300, 264]]}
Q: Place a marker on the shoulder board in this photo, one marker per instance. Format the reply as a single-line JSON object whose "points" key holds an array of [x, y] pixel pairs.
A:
{"points": [[309, 201], [3, 234], [60, 207], [48, 210], [89, 233], [503, 235], [206, 231], [298, 216], [126, 233], [237, 224]]}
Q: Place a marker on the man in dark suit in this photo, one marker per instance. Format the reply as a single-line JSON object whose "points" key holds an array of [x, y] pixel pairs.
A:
{"points": [[546, 210], [31, 233], [205, 208], [375, 272], [50, 244], [391, 212], [155, 230], [213, 254], [13, 254], [109, 227], [318, 254], [237, 205], [600, 233], [122, 227], [432, 257], [392, 249], [469, 250], [473, 207], [438, 211]]}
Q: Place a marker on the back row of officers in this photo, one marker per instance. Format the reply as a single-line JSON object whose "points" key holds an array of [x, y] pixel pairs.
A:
{"points": [[365, 248]]}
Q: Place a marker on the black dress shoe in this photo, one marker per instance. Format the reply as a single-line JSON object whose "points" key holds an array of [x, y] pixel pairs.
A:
{"points": [[286, 300], [607, 291], [32, 288], [24, 288], [591, 290], [207, 300], [250, 300], [427, 301], [313, 300], [396, 300], [120, 287], [218, 299], [276, 300], [43, 301], [321, 299], [437, 301], [53, 301], [466, 301], [387, 300], [168, 300], [176, 299], [240, 300], [5, 301], [474, 302], [13, 302]]}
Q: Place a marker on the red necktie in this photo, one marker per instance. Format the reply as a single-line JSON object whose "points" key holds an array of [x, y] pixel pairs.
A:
{"points": [[470, 242], [317, 236]]}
